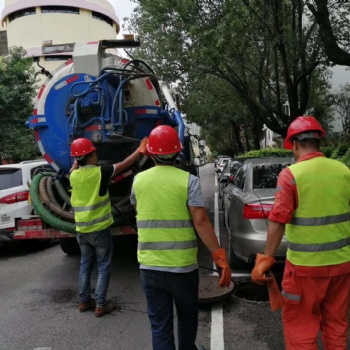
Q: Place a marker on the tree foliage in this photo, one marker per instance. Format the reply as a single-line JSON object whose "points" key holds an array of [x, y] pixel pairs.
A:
{"points": [[333, 24], [17, 89], [342, 106], [265, 50]]}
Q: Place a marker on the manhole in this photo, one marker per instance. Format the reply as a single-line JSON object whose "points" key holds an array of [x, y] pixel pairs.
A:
{"points": [[209, 290], [251, 291]]}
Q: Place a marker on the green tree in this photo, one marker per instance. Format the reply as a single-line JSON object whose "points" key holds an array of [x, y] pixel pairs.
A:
{"points": [[265, 50], [342, 106], [228, 126], [17, 89], [333, 24]]}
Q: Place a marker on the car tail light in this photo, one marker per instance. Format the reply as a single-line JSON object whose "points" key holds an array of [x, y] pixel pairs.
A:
{"points": [[16, 197], [257, 211], [231, 178]]}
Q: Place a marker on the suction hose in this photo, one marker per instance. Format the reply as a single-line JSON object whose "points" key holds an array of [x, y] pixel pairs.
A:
{"points": [[40, 209], [51, 203]]}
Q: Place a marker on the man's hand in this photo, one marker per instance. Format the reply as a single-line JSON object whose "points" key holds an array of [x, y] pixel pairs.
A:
{"points": [[263, 263], [220, 260], [143, 146]]}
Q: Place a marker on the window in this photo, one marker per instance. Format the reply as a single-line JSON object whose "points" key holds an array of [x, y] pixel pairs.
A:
{"points": [[102, 17], [60, 9], [265, 175], [10, 178], [57, 58], [240, 177], [234, 167], [21, 13]]}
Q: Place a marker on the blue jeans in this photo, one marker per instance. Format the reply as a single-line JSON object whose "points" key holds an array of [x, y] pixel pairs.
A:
{"points": [[95, 246], [162, 289]]}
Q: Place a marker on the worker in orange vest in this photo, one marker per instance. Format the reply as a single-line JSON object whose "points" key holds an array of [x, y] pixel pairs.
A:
{"points": [[312, 209]]}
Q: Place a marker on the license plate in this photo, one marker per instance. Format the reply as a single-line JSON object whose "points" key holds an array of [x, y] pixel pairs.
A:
{"points": [[5, 218]]}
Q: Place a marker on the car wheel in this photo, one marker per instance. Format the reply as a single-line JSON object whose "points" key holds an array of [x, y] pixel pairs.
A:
{"points": [[69, 246], [234, 261]]}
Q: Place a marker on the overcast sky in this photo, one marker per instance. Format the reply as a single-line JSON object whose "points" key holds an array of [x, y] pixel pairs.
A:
{"points": [[124, 8]]}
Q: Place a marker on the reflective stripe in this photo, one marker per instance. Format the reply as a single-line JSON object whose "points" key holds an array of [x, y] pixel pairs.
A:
{"points": [[92, 207], [93, 222], [177, 269], [319, 247], [165, 224], [291, 296], [279, 188], [293, 182], [327, 220], [166, 245]]}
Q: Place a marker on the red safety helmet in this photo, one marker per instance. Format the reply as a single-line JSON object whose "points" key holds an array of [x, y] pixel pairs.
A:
{"points": [[163, 140], [303, 125], [81, 147]]}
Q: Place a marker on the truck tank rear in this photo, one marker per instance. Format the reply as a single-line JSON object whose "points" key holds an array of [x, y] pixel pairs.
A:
{"points": [[114, 102]]}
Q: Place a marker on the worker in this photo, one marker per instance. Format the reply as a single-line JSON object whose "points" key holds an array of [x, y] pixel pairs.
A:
{"points": [[93, 218], [312, 206], [170, 208]]}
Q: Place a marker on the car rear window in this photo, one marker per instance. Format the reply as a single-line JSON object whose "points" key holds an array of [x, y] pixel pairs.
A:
{"points": [[265, 175], [10, 178], [234, 168]]}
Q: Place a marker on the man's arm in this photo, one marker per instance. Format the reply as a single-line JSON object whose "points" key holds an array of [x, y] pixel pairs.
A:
{"points": [[275, 233], [204, 228], [133, 158]]}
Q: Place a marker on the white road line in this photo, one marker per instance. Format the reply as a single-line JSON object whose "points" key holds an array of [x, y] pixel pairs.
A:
{"points": [[216, 180], [217, 319]]}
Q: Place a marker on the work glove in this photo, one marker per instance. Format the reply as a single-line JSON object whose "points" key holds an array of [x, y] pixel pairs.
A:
{"points": [[276, 299], [143, 146], [260, 273], [224, 271]]}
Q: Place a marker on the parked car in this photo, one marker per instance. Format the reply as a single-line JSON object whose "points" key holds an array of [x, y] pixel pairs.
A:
{"points": [[248, 201], [218, 159], [227, 174], [220, 166], [14, 193]]}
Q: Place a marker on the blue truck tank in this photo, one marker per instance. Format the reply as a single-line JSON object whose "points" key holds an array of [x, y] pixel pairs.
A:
{"points": [[110, 100]]}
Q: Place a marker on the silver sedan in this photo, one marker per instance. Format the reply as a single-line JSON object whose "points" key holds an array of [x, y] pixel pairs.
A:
{"points": [[248, 200]]}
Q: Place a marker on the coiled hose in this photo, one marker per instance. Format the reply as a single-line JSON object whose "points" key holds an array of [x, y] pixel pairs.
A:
{"points": [[47, 206], [41, 210]]}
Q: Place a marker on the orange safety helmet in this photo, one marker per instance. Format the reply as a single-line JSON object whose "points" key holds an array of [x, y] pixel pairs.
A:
{"points": [[81, 147], [302, 125], [163, 140]]}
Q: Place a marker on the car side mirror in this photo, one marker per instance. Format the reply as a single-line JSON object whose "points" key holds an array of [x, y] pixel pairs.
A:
{"points": [[231, 178]]}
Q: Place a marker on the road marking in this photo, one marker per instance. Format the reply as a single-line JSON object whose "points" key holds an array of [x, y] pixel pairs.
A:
{"points": [[217, 319], [216, 180]]}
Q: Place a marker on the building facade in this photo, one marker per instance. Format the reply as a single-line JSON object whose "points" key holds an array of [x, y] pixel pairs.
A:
{"points": [[3, 41], [33, 24]]}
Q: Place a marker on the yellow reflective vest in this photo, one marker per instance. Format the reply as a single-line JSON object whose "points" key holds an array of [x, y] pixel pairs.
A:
{"points": [[166, 237], [319, 233], [92, 212]]}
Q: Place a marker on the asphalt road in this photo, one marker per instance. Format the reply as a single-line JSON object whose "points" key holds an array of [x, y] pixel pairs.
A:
{"points": [[38, 301]]}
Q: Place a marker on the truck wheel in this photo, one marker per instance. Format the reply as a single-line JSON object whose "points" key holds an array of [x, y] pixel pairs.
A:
{"points": [[69, 246]]}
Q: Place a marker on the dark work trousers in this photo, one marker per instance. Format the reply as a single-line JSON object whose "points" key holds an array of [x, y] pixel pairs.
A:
{"points": [[162, 290]]}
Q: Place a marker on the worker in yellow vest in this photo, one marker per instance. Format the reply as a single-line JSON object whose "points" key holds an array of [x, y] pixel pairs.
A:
{"points": [[312, 209], [93, 218], [170, 208]]}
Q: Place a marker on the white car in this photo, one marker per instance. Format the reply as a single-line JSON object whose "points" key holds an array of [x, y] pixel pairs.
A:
{"points": [[14, 193]]}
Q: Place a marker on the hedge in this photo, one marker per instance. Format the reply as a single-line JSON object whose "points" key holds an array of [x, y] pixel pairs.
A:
{"points": [[341, 153]]}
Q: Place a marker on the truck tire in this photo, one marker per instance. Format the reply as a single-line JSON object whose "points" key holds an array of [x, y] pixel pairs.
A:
{"points": [[69, 246]]}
